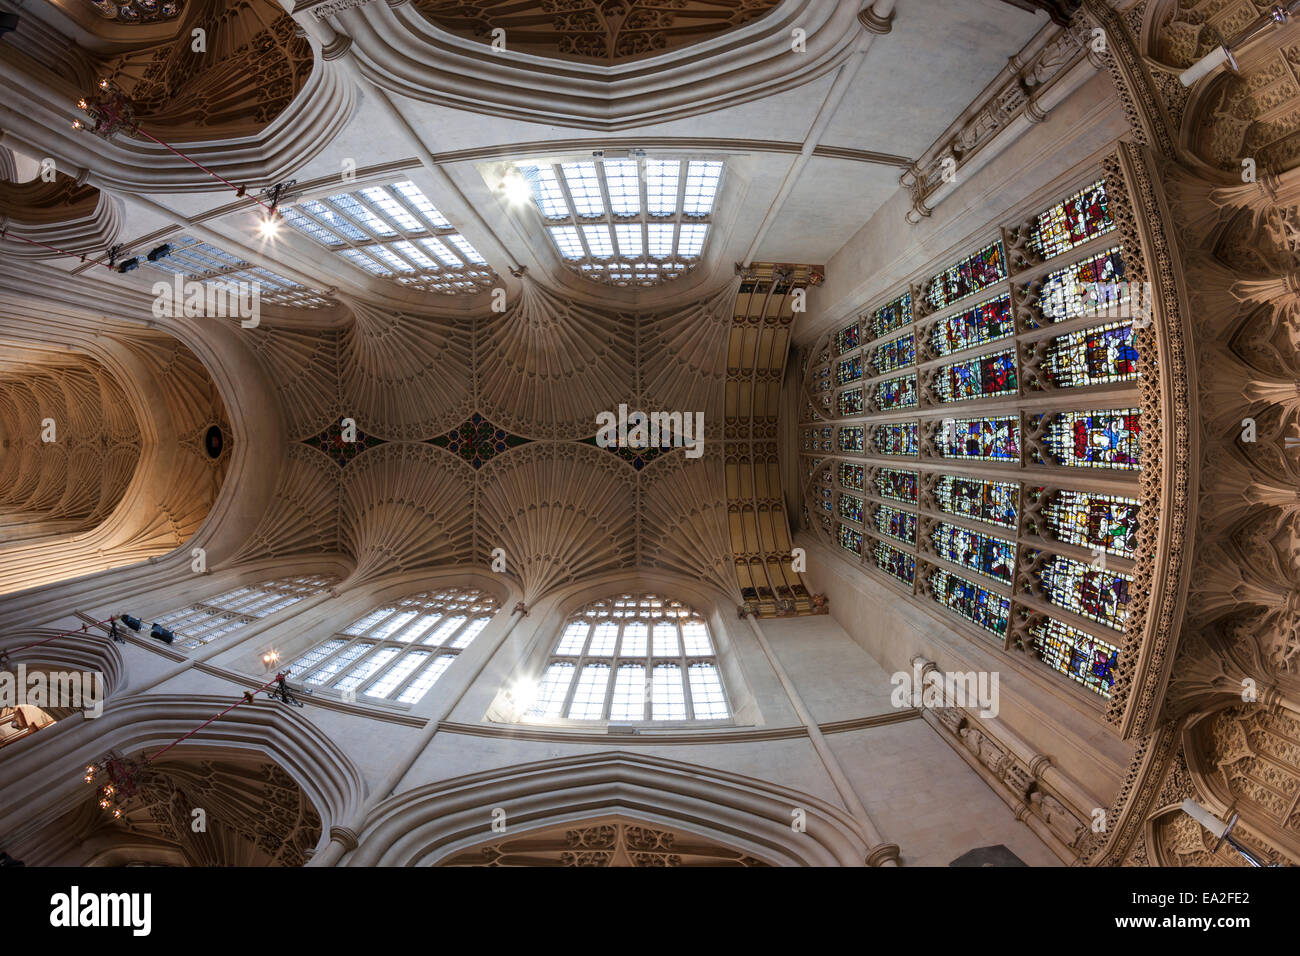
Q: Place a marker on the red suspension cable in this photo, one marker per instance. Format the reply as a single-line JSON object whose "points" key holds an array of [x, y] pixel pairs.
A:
{"points": [[243, 700], [47, 640]]}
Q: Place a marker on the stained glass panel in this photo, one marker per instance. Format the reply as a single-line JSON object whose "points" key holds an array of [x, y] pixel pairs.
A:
{"points": [[851, 476], [892, 316], [894, 562], [899, 525], [896, 393], [850, 539], [1097, 439], [850, 370], [899, 439], [851, 402], [983, 377], [896, 484], [987, 322], [851, 508], [979, 552], [1065, 292], [851, 438], [895, 354], [980, 439], [1072, 222], [978, 605], [991, 501], [1098, 595], [1093, 356], [972, 274], [824, 497], [847, 339], [1080, 656], [1093, 520]]}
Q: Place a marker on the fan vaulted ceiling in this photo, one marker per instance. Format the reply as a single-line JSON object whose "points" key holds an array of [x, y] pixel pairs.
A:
{"points": [[451, 317]]}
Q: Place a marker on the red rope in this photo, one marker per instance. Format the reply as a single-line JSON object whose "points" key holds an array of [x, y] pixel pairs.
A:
{"points": [[199, 166], [241, 701], [99, 262], [57, 636]]}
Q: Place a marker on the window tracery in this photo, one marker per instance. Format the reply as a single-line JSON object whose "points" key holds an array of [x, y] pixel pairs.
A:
{"points": [[392, 231], [397, 651], [203, 622], [632, 658], [632, 221]]}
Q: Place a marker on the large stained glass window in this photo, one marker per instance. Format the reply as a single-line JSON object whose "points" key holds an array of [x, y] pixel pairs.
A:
{"points": [[1027, 369], [989, 556], [980, 439], [1072, 222], [896, 484], [899, 525], [895, 354], [1099, 595], [850, 539], [1082, 657], [851, 438], [851, 508], [1071, 292], [1093, 520], [851, 402], [892, 316], [850, 370], [896, 393], [972, 274], [985, 377], [1097, 356], [1097, 439], [894, 562], [847, 339], [992, 501], [897, 439], [978, 605], [987, 322]]}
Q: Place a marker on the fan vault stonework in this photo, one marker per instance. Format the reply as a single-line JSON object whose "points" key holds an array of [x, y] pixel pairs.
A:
{"points": [[604, 31]]}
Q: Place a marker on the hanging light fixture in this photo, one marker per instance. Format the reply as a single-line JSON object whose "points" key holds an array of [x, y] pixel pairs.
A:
{"points": [[117, 779]]}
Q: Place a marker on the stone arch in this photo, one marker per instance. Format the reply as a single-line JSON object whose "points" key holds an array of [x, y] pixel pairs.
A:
{"points": [[438, 822], [143, 725], [612, 841], [194, 807]]}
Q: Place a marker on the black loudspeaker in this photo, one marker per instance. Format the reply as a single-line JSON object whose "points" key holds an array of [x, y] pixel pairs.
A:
{"points": [[162, 634], [8, 23], [134, 623]]}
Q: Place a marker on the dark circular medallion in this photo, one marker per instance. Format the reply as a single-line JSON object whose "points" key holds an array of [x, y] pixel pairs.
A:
{"points": [[214, 441]]}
